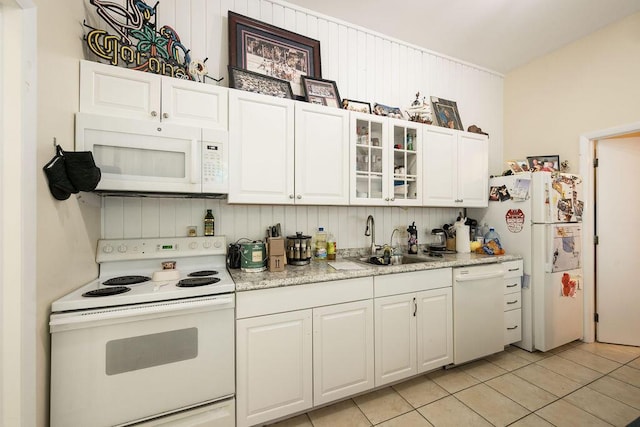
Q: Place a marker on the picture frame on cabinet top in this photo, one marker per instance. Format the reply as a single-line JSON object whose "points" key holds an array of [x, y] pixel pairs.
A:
{"points": [[358, 106], [544, 163], [446, 113], [385, 110], [266, 49], [322, 92], [259, 83]]}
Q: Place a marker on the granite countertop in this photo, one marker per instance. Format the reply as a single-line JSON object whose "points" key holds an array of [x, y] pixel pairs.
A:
{"points": [[322, 271]]}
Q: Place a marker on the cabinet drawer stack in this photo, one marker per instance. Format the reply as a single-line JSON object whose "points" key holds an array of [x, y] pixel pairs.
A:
{"points": [[512, 301]]}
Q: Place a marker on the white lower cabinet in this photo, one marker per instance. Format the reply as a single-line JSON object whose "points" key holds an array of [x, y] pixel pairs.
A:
{"points": [[413, 331], [435, 329], [274, 370], [342, 350], [302, 346]]}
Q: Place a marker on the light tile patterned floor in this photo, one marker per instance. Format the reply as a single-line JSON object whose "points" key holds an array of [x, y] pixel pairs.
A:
{"points": [[578, 384]]}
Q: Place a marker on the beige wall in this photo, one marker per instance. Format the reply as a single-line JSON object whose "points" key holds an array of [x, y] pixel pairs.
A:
{"points": [[66, 230], [589, 85]]}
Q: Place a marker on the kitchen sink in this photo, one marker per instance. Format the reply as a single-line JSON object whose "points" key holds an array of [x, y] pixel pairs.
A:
{"points": [[395, 260]]}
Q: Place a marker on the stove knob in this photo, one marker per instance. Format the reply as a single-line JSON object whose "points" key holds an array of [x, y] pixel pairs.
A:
{"points": [[217, 244], [193, 245], [122, 248], [107, 249], [207, 244]]}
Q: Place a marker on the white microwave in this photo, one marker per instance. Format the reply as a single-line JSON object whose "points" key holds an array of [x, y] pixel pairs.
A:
{"points": [[141, 156]]}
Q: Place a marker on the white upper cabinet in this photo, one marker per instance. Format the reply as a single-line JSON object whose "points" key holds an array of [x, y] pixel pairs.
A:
{"points": [[456, 168], [386, 163], [261, 149], [405, 163], [286, 152], [117, 91], [369, 152], [321, 155], [473, 170]]}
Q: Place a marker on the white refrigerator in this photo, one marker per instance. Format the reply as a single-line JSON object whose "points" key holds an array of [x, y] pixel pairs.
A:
{"points": [[538, 216]]}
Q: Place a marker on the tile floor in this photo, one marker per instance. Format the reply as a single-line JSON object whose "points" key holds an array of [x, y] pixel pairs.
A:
{"points": [[578, 384]]}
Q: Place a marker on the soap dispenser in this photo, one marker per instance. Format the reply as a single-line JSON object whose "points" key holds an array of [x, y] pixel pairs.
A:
{"points": [[413, 238]]}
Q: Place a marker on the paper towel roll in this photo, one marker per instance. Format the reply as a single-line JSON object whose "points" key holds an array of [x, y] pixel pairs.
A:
{"points": [[463, 244]]}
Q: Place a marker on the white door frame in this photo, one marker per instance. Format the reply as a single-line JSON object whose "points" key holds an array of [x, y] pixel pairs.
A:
{"points": [[18, 90], [587, 157]]}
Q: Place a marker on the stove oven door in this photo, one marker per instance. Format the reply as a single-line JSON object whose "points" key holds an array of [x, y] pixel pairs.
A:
{"points": [[117, 365]]}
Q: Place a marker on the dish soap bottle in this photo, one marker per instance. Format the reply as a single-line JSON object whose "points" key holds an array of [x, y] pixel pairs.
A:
{"points": [[209, 224], [331, 247], [413, 238], [321, 245]]}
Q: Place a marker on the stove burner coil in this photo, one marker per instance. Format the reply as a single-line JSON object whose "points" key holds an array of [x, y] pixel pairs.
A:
{"points": [[126, 280], [103, 292], [202, 273], [202, 281]]}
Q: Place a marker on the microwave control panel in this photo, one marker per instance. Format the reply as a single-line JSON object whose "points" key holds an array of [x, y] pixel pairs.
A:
{"points": [[215, 158]]}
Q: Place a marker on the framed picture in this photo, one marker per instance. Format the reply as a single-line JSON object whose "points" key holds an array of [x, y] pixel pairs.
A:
{"points": [[259, 83], [265, 49], [514, 166], [385, 110], [446, 113], [319, 91], [359, 106], [544, 163]]}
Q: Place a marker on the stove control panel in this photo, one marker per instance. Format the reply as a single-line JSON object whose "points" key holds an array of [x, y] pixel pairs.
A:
{"points": [[159, 248]]}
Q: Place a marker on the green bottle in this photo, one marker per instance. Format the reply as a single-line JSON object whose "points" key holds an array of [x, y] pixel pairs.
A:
{"points": [[209, 224]]}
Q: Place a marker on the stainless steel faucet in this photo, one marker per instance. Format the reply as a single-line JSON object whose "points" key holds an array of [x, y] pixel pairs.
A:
{"points": [[371, 231]]}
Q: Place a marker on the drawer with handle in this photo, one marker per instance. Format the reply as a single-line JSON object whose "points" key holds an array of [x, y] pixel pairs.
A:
{"points": [[513, 269], [512, 326], [512, 301]]}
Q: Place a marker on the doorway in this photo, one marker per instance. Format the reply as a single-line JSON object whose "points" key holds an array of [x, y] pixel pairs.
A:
{"points": [[609, 287]]}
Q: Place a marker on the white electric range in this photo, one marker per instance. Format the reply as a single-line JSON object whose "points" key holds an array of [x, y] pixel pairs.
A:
{"points": [[157, 347]]}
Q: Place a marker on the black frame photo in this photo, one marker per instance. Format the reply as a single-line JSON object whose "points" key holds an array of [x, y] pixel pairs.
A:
{"points": [[446, 113], [320, 91], [385, 110], [357, 106], [266, 49], [259, 83], [544, 163]]}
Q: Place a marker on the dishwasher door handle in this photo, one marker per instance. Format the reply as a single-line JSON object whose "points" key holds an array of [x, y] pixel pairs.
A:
{"points": [[471, 277]]}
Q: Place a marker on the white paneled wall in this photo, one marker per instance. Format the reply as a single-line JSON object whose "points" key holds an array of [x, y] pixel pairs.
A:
{"points": [[134, 217], [366, 65]]}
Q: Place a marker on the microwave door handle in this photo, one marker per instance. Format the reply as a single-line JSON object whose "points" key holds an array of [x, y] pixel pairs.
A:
{"points": [[195, 161]]}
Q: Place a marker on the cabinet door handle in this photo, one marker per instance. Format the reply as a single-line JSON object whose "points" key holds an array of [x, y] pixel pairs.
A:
{"points": [[514, 269], [511, 286], [165, 115], [291, 196], [154, 113], [299, 196], [415, 307], [393, 199], [511, 329], [512, 302]]}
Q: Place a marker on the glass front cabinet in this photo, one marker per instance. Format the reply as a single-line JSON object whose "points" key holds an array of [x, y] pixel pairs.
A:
{"points": [[386, 163]]}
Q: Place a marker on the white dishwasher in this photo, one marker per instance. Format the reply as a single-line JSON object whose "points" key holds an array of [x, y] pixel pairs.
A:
{"points": [[478, 313]]}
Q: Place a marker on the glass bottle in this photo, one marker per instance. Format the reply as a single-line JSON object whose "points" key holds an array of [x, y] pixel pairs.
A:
{"points": [[209, 224]]}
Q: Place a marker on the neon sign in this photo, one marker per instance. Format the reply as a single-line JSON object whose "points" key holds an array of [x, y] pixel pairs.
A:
{"points": [[137, 43]]}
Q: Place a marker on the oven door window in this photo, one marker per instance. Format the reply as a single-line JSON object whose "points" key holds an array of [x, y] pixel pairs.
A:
{"points": [[145, 351]]}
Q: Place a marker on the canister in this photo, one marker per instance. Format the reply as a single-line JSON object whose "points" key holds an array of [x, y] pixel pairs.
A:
{"points": [[253, 256]]}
